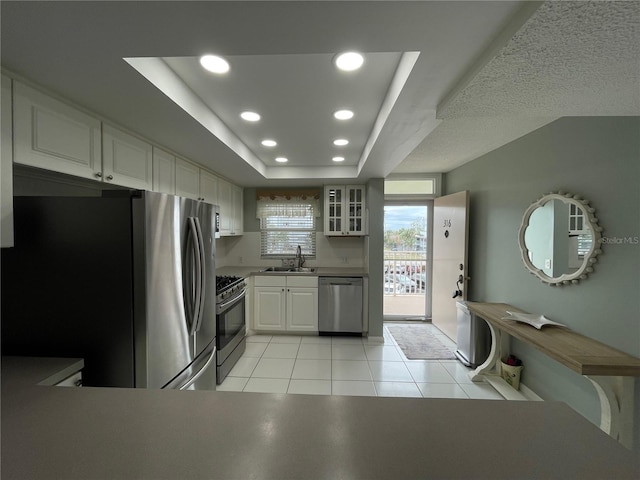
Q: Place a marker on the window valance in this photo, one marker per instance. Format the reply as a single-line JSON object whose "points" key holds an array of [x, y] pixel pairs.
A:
{"points": [[287, 204]]}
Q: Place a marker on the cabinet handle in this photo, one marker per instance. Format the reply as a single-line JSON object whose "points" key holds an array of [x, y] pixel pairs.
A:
{"points": [[110, 177], [99, 174]]}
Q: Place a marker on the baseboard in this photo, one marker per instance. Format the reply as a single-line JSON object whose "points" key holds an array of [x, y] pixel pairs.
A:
{"points": [[375, 340], [510, 393]]}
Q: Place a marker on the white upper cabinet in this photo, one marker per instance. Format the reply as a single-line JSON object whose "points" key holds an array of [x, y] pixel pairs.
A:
{"points": [[208, 187], [52, 135], [231, 208], [6, 170], [164, 171], [187, 179], [344, 210], [126, 160], [196, 183], [237, 202]]}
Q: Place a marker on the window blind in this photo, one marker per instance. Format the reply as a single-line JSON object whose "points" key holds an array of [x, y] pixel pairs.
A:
{"points": [[281, 232]]}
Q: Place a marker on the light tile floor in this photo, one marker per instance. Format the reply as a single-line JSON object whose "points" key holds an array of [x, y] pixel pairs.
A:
{"points": [[349, 366]]}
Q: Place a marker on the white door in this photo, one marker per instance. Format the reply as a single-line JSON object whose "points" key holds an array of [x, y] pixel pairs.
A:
{"points": [[450, 237]]}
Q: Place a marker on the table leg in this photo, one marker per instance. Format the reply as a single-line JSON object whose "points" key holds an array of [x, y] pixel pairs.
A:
{"points": [[616, 406], [500, 343]]}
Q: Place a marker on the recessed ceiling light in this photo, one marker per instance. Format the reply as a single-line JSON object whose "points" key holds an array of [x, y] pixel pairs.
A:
{"points": [[250, 116], [282, 159], [343, 114], [269, 143], [214, 64], [338, 159], [349, 61], [340, 142]]}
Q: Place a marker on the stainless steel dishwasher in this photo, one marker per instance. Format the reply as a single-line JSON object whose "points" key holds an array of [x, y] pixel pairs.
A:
{"points": [[340, 305]]}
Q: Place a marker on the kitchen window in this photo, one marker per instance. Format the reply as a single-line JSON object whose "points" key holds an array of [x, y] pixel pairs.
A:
{"points": [[287, 221]]}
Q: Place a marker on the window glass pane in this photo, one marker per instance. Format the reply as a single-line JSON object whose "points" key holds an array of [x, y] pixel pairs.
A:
{"points": [[281, 233], [285, 243], [409, 187]]}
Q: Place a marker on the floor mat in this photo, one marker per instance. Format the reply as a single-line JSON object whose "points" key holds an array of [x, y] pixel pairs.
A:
{"points": [[419, 344]]}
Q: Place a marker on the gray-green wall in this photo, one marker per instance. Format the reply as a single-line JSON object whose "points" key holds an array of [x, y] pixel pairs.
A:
{"points": [[375, 254], [598, 158]]}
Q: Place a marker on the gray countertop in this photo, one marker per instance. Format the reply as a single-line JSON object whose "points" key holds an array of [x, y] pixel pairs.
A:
{"points": [[246, 271], [95, 433]]}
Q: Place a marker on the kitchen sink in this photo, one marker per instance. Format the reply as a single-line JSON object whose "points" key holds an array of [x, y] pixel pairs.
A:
{"points": [[290, 269]]}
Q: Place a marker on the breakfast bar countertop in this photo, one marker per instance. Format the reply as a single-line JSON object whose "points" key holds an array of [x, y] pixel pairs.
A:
{"points": [[78, 433]]}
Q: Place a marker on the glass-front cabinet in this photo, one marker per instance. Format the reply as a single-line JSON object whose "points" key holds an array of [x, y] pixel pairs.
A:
{"points": [[344, 210]]}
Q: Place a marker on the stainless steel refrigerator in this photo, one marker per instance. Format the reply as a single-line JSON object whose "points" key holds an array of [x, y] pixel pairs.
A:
{"points": [[125, 281]]}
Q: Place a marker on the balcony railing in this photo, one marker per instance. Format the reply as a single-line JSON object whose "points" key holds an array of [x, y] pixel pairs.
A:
{"points": [[405, 272]]}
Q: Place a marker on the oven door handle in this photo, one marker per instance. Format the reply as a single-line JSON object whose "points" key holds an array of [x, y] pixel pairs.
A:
{"points": [[223, 306]]}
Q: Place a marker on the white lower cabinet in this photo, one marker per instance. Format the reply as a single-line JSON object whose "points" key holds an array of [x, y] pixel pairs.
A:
{"points": [[286, 303], [302, 309]]}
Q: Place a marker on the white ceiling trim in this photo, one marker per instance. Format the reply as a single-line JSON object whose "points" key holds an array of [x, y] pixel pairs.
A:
{"points": [[329, 171], [162, 77], [403, 71]]}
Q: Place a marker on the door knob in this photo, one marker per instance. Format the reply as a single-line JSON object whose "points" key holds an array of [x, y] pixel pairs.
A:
{"points": [[110, 177]]}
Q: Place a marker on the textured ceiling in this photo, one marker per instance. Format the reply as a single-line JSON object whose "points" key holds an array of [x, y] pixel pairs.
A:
{"points": [[569, 59]]}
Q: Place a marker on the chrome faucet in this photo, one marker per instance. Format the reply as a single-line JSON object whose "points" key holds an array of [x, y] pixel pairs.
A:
{"points": [[299, 258]]}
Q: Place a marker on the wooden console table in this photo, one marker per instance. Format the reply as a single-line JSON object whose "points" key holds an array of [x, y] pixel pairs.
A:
{"points": [[610, 371]]}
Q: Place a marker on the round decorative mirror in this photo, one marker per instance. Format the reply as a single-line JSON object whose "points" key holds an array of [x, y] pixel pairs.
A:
{"points": [[560, 238]]}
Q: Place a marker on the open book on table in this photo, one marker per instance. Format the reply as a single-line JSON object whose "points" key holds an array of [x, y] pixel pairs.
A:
{"points": [[535, 320]]}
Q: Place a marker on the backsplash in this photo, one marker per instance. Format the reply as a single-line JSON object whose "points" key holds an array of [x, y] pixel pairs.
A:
{"points": [[330, 252]]}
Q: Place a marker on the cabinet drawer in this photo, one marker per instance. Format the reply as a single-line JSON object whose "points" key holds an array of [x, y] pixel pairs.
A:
{"points": [[300, 281], [270, 281]]}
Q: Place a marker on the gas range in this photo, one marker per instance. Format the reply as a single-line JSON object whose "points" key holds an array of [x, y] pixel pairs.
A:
{"points": [[228, 286]]}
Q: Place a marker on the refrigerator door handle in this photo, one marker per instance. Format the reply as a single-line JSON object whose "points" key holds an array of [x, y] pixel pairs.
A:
{"points": [[193, 273], [201, 275], [193, 379]]}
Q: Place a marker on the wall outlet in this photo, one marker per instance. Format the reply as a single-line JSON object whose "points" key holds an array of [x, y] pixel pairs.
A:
{"points": [[345, 259], [240, 260], [547, 263]]}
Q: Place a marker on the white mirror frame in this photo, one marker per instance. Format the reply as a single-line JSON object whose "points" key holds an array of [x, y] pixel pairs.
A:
{"points": [[589, 259]]}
